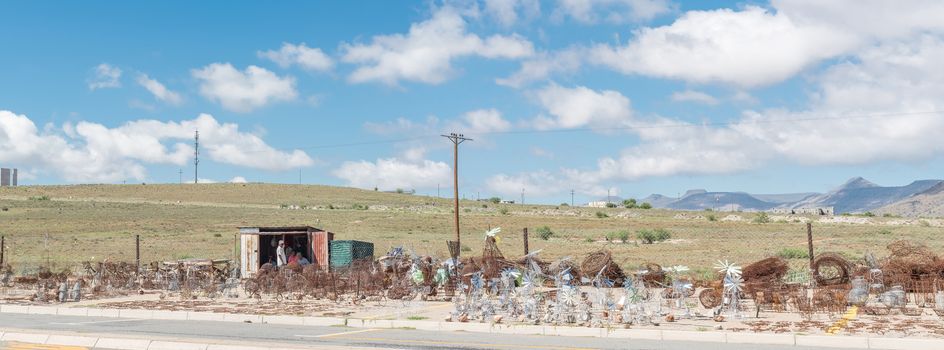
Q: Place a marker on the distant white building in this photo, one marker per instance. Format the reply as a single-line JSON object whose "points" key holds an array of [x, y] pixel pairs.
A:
{"points": [[825, 211], [597, 204]]}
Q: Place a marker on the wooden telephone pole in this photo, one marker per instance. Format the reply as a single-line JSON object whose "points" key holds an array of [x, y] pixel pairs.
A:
{"points": [[456, 140]]}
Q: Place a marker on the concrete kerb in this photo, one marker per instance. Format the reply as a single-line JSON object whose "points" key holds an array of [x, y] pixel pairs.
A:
{"points": [[648, 334], [71, 340], [173, 345], [123, 343], [25, 337]]}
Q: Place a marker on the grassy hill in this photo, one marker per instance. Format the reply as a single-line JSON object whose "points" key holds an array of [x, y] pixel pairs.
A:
{"points": [[64, 225]]}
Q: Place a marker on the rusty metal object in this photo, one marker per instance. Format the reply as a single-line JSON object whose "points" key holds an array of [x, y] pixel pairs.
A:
{"points": [[831, 269]]}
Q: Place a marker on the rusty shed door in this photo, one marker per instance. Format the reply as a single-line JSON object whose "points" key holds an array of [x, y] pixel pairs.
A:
{"points": [[319, 246], [249, 255]]}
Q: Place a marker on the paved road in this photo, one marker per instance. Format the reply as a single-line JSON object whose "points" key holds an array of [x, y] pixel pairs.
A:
{"points": [[334, 337]]}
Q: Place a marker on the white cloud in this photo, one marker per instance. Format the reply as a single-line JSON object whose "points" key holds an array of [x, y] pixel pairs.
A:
{"points": [[543, 65], [105, 76], [541, 184], [409, 171], [425, 54], [755, 46], [506, 12], [482, 121], [238, 180], [159, 90], [865, 110], [750, 47], [243, 91], [91, 152], [613, 11], [479, 121], [694, 96], [206, 181], [311, 59], [582, 107]]}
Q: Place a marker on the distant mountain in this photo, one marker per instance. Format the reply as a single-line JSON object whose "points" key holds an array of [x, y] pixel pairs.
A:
{"points": [[784, 198], [860, 195], [923, 197], [928, 203], [657, 200], [727, 201]]}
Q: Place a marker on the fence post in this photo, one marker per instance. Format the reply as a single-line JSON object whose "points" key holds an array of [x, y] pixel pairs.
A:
{"points": [[809, 240], [525, 235], [3, 246], [236, 249], [137, 251]]}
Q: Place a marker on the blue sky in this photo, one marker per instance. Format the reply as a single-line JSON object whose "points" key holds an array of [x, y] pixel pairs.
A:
{"points": [[630, 96]]}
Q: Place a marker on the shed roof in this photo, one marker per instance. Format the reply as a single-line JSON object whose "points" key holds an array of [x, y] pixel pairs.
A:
{"points": [[277, 229]]}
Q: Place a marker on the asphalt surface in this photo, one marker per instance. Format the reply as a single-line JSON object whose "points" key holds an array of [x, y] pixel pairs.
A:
{"points": [[330, 337]]}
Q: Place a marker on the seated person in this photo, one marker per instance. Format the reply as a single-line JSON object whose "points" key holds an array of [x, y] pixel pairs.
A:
{"points": [[299, 259]]}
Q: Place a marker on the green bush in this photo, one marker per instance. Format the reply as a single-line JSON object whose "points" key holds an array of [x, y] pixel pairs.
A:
{"points": [[544, 232], [39, 198], [357, 206], [466, 210], [794, 253], [868, 214], [564, 205], [611, 205], [645, 205], [495, 200], [649, 237], [465, 248], [503, 211], [588, 240], [761, 218], [885, 232], [712, 217], [622, 236], [602, 215], [629, 203]]}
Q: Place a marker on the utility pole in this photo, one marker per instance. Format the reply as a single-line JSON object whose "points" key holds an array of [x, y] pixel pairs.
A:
{"points": [[180, 174], [522, 196], [299, 176], [196, 154], [571, 197], [437, 191], [456, 140], [607, 196]]}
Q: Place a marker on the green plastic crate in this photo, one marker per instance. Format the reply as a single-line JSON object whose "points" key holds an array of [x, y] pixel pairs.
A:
{"points": [[343, 253]]}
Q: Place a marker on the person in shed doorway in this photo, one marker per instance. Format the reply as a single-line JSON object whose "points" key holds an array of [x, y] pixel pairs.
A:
{"points": [[281, 259]]}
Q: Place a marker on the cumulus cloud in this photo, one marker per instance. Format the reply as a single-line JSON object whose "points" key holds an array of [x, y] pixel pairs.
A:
{"points": [[543, 65], [105, 76], [613, 11], [311, 59], [509, 12], [479, 121], [92, 152], [750, 47], [694, 96], [243, 91], [755, 46], [868, 109], [407, 171], [482, 121], [542, 183], [159, 90], [580, 107], [238, 180], [426, 52]]}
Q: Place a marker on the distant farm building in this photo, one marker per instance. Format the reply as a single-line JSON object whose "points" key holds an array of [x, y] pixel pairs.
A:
{"points": [[825, 211]]}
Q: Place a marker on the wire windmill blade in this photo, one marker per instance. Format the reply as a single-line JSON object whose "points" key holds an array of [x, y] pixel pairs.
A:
{"points": [[728, 268], [733, 284]]}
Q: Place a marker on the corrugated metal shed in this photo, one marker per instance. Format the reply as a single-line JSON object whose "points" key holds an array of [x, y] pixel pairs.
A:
{"points": [[257, 245]]}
